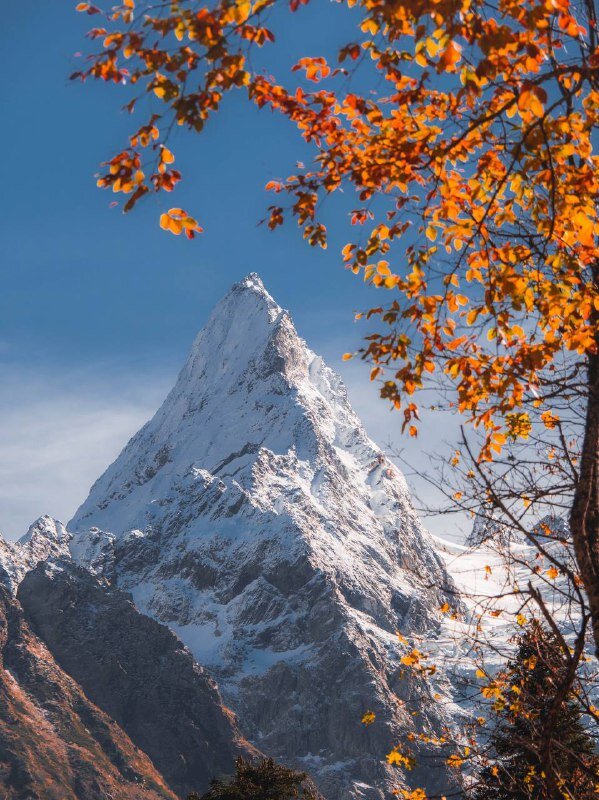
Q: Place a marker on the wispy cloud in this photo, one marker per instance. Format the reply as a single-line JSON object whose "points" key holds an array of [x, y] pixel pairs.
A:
{"points": [[59, 431]]}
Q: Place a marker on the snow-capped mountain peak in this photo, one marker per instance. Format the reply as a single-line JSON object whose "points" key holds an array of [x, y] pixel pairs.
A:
{"points": [[250, 386], [256, 518], [45, 535]]}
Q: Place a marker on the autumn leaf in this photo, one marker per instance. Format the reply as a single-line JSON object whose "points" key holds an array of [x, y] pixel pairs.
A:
{"points": [[178, 221], [368, 718], [549, 419], [450, 57], [166, 156], [87, 7], [552, 573], [395, 757]]}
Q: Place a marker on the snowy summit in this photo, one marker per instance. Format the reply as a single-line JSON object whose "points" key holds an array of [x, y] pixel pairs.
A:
{"points": [[254, 516]]}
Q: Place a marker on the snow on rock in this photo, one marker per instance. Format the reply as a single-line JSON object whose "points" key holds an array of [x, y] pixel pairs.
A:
{"points": [[254, 516], [487, 572], [46, 539]]}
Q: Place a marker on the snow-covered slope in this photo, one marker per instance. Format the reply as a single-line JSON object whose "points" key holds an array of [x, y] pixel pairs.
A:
{"points": [[255, 517]]}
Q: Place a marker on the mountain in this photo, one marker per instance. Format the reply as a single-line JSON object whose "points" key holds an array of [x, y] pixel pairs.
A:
{"points": [[97, 700], [137, 672], [54, 743], [47, 538], [255, 518]]}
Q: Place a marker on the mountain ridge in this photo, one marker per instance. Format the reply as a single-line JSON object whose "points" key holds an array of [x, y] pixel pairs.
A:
{"points": [[55, 744], [137, 672], [96, 699], [255, 517]]}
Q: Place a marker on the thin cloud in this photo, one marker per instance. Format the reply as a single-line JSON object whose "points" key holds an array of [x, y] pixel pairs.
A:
{"points": [[59, 432]]}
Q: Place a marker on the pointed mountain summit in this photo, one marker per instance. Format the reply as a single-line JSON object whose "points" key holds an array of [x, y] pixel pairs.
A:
{"points": [[238, 382], [254, 516], [250, 383]]}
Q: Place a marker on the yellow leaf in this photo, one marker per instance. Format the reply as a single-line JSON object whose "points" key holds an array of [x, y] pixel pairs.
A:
{"points": [[432, 47], [395, 757], [370, 26], [550, 420], [529, 101]]}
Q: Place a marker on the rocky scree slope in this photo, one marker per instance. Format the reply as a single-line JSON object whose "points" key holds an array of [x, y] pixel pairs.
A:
{"points": [[254, 517]]}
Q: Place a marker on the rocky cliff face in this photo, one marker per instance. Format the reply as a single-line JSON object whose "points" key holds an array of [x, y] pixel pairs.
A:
{"points": [[137, 672], [254, 516], [55, 744], [97, 700]]}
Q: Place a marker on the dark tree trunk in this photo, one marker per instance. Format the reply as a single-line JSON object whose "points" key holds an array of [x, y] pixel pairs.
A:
{"points": [[584, 516]]}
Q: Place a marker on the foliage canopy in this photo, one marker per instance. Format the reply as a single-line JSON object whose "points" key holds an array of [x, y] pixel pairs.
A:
{"points": [[263, 780], [539, 746]]}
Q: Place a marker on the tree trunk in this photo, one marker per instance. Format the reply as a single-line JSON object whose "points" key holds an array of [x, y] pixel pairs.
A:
{"points": [[584, 515]]}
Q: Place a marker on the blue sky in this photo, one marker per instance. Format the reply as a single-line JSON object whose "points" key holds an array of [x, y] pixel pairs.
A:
{"points": [[98, 310]]}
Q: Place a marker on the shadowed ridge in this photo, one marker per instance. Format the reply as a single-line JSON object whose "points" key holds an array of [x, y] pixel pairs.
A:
{"points": [[54, 743], [137, 672]]}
